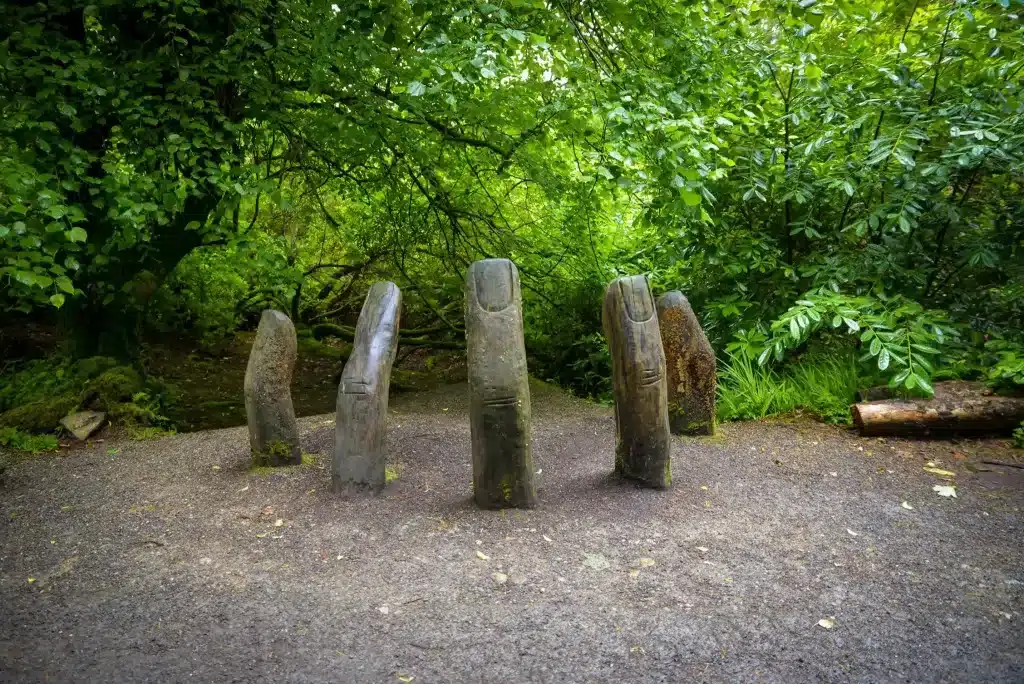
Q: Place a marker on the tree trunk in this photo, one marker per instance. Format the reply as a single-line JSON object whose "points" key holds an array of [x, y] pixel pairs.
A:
{"points": [[956, 407], [91, 328], [296, 303]]}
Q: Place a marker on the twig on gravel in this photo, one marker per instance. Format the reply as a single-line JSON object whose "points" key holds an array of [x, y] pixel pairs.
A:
{"points": [[154, 542], [1003, 463]]}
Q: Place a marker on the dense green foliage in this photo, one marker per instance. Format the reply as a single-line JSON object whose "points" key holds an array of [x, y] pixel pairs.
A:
{"points": [[841, 173], [36, 396]]}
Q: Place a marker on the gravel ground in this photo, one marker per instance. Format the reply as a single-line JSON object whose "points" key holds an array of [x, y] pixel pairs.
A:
{"points": [[167, 561]]}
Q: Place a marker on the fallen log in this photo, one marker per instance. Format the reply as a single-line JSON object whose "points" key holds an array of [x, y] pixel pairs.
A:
{"points": [[956, 407]]}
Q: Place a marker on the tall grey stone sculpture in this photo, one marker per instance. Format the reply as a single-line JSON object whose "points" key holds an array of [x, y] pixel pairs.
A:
{"points": [[363, 392], [689, 366], [643, 444], [499, 392], [273, 432]]}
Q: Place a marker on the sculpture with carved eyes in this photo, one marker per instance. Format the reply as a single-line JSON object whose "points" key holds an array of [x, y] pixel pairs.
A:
{"points": [[361, 421], [643, 446], [498, 387]]}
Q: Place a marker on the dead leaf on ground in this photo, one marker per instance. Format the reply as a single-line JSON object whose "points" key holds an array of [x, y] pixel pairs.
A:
{"points": [[945, 490], [499, 577], [267, 510], [482, 556], [852, 533], [940, 471], [405, 678], [646, 562], [278, 523], [907, 506], [827, 623]]}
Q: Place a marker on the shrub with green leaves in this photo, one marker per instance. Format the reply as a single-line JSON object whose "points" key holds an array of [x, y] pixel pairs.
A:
{"points": [[897, 336]]}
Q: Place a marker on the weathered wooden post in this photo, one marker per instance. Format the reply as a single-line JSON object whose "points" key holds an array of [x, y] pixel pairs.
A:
{"points": [[273, 431], [689, 366], [643, 444], [499, 392], [361, 421]]}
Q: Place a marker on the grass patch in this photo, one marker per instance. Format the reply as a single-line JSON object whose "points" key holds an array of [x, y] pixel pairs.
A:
{"points": [[22, 441], [140, 433], [822, 385], [392, 472]]}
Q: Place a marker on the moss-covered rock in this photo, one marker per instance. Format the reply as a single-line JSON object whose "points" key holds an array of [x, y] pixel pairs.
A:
{"points": [[40, 416], [309, 347], [412, 381], [114, 386], [87, 369], [132, 413]]}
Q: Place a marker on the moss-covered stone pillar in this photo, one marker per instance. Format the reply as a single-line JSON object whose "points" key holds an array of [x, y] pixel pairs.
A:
{"points": [[689, 365], [360, 427], [273, 432], [643, 444], [499, 393]]}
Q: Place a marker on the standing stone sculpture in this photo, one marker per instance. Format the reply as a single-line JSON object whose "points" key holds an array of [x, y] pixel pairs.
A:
{"points": [[273, 432], [361, 423], [643, 444], [499, 393], [689, 366]]}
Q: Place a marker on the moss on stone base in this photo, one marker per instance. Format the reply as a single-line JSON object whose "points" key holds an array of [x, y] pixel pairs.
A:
{"points": [[43, 415], [277, 453]]}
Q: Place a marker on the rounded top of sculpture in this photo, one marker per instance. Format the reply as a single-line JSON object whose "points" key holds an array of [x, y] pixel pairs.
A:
{"points": [[494, 282], [672, 298], [384, 289], [274, 320], [636, 296]]}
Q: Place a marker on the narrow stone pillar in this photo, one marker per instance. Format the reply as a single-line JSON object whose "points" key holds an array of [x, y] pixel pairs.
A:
{"points": [[499, 392], [361, 421], [643, 445], [273, 432], [689, 366]]}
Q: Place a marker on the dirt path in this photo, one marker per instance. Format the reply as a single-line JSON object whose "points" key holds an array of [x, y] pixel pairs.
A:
{"points": [[164, 562]]}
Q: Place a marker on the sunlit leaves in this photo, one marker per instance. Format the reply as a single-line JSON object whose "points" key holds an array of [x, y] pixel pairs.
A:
{"points": [[898, 336]]}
